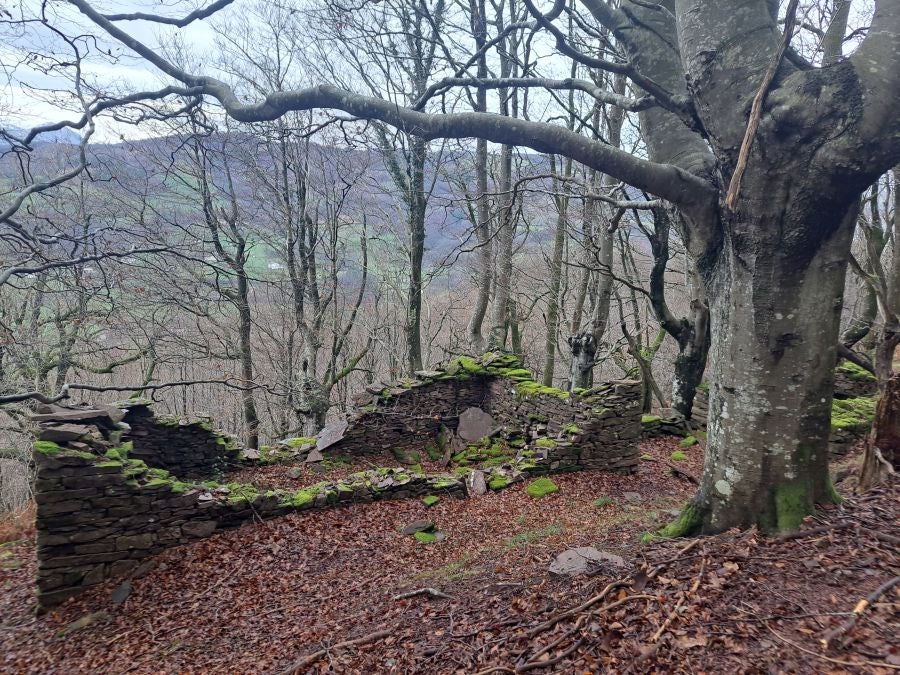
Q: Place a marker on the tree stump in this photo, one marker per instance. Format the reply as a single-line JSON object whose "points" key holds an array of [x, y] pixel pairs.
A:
{"points": [[882, 453]]}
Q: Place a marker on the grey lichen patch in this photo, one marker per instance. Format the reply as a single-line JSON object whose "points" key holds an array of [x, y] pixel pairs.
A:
{"points": [[723, 487]]}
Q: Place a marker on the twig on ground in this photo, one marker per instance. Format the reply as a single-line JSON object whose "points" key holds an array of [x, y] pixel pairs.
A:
{"points": [[861, 607], [676, 471], [675, 612], [531, 665], [799, 534], [422, 591], [828, 658], [315, 656]]}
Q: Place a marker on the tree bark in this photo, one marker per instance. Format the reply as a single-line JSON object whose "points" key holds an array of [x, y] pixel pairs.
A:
{"points": [[882, 453], [772, 367]]}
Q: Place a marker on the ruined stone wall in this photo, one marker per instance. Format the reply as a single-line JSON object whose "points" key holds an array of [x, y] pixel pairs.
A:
{"points": [[188, 447], [98, 517], [597, 429], [409, 415]]}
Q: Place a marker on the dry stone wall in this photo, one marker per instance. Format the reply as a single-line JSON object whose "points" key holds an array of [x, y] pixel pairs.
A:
{"points": [[98, 515], [596, 429], [186, 446]]}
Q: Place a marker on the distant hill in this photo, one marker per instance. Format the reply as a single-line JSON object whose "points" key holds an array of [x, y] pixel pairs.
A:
{"points": [[66, 136]]}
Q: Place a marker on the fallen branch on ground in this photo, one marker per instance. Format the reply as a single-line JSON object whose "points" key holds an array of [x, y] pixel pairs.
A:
{"points": [[422, 591], [861, 607], [315, 656]]}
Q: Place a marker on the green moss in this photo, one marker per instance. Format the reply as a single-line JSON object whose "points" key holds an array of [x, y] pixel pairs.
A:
{"points": [[241, 492], [110, 462], [646, 456], [572, 429], [433, 452], [47, 447], [425, 537], [686, 524], [541, 488], [604, 501], [180, 488], [704, 387], [648, 537], [526, 389], [157, 482], [650, 419], [678, 456], [497, 461], [295, 443], [545, 443], [210, 484], [462, 470], [852, 414], [430, 500], [442, 483], [855, 372], [135, 467], [687, 442], [301, 498], [520, 374], [158, 473], [498, 483], [792, 504], [833, 496]]}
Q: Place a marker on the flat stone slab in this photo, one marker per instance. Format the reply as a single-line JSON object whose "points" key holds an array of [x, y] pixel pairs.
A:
{"points": [[475, 424], [331, 434], [62, 433], [585, 560]]}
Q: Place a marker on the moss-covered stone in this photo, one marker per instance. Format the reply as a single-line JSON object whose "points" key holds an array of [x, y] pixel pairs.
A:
{"points": [[572, 428], [545, 443], [688, 441], [47, 447], [650, 419], [678, 456], [856, 372], [541, 488], [604, 501], [852, 414], [425, 537], [531, 388], [430, 500], [498, 483]]}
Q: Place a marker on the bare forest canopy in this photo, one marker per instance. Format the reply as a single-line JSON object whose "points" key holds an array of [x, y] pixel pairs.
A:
{"points": [[270, 206]]}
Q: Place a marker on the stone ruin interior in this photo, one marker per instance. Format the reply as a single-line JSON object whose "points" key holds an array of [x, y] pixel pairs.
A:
{"points": [[118, 483]]}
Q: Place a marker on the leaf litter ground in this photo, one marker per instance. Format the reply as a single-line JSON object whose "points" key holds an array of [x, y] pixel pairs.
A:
{"points": [[281, 596]]}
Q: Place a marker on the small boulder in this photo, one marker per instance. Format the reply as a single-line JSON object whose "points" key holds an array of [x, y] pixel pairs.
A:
{"points": [[586, 560], [315, 455], [418, 526], [120, 595], [475, 424], [633, 497], [295, 472], [476, 484]]}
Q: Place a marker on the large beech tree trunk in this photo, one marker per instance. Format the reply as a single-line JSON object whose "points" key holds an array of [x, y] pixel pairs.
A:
{"points": [[772, 364]]}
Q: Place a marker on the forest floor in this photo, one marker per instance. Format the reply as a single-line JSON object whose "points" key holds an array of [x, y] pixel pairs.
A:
{"points": [[281, 596]]}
